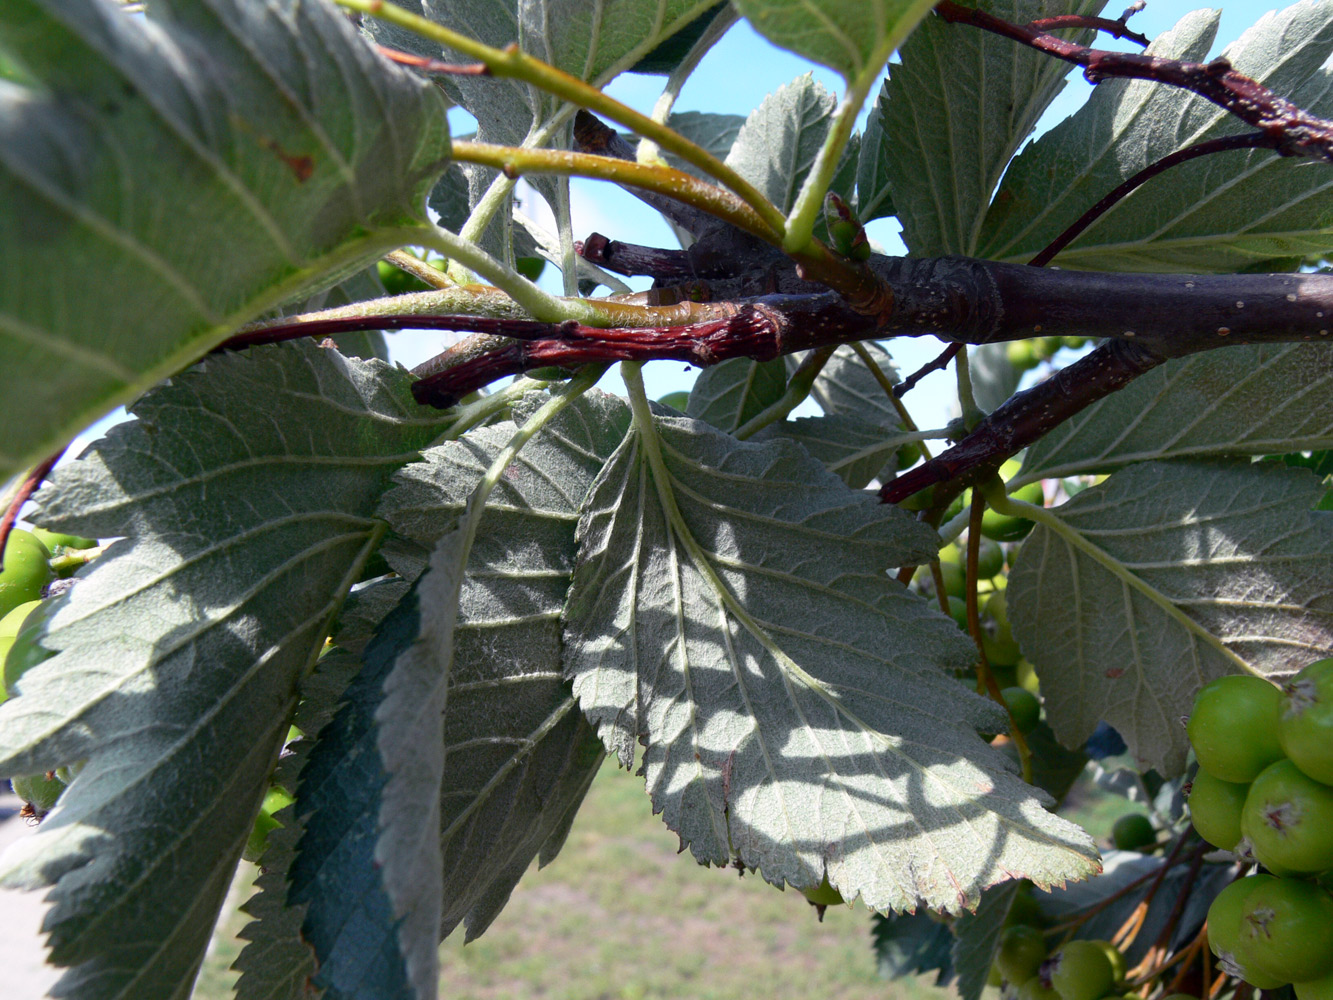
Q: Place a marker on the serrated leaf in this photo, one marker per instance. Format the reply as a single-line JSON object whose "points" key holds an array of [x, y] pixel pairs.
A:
{"points": [[277, 962], [515, 756], [853, 450], [714, 132], [954, 113], [597, 41], [246, 489], [777, 145], [874, 199], [1216, 214], [731, 393], [732, 609], [1258, 399], [977, 939], [1177, 573], [267, 128], [853, 37], [668, 55], [348, 918]]}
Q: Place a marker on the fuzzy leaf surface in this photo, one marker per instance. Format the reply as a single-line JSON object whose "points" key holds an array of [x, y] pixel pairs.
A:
{"points": [[853, 450], [854, 37], [245, 495], [729, 394], [516, 756], [1187, 571], [145, 144], [1216, 214], [731, 609], [954, 112], [1261, 399]]}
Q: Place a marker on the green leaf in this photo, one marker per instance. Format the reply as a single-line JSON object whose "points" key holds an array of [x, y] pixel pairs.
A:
{"points": [[1260, 399], [516, 755], [246, 488], [909, 944], [731, 393], [668, 55], [277, 961], [732, 609], [994, 379], [853, 37], [193, 171], [777, 145], [954, 113], [977, 937], [1164, 577], [847, 388], [596, 42], [874, 199], [853, 450], [1219, 213], [714, 132], [335, 880]]}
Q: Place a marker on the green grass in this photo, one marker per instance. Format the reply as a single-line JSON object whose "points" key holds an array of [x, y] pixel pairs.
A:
{"points": [[619, 915]]}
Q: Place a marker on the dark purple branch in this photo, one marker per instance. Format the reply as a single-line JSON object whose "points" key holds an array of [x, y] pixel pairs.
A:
{"points": [[1116, 29], [632, 259], [939, 364], [1251, 140], [1024, 418], [1299, 132]]}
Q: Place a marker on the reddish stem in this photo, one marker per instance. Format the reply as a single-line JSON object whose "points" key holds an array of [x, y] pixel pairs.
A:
{"points": [[29, 487], [425, 65]]}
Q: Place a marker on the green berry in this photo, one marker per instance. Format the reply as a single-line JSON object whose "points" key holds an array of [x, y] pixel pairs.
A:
{"points": [[1224, 925], [1233, 727], [1286, 930], [1002, 527], [1036, 989], [677, 400], [1081, 971], [1023, 706], [27, 570], [1215, 809], [990, 559], [12, 623], [40, 791], [1288, 818], [1133, 832], [1022, 950], [54, 540], [1305, 720], [1315, 989]]}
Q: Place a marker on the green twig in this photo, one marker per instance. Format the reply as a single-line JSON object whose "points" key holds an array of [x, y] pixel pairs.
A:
{"points": [[798, 388], [513, 62]]}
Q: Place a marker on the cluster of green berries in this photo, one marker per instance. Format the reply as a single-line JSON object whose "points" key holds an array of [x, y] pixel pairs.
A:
{"points": [[1028, 354], [32, 561], [1263, 790]]}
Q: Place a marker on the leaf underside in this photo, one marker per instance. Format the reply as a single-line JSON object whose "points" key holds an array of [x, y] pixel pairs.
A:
{"points": [[145, 145], [246, 490], [1198, 569], [795, 704]]}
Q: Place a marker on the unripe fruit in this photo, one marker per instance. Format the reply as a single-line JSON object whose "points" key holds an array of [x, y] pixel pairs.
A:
{"points": [[1224, 918], [1132, 832], [1316, 989], [24, 652], [1286, 930], [27, 569], [677, 400], [55, 540], [1119, 967], [1035, 989], [1233, 727], [1021, 354], [1022, 950], [1002, 527], [12, 623], [1305, 720], [1024, 707], [39, 791], [1215, 809], [1081, 971], [1288, 818], [990, 559], [958, 610]]}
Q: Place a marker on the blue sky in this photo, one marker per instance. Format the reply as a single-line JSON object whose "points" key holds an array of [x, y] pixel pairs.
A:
{"points": [[735, 77]]}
